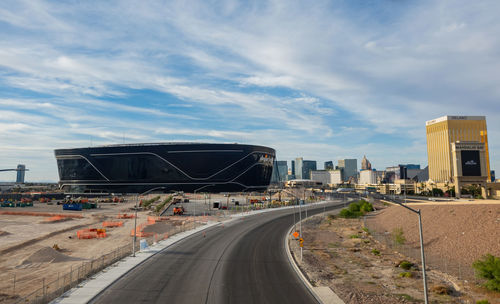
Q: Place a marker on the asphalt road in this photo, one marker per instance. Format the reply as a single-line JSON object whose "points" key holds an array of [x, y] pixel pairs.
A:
{"points": [[243, 262]]}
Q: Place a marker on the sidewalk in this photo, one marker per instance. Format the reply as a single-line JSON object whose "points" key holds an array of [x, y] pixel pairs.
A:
{"points": [[94, 285]]}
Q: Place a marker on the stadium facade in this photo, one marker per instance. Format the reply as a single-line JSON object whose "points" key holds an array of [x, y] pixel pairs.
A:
{"points": [[188, 167]]}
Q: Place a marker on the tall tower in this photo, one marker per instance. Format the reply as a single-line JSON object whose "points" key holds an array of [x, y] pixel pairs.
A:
{"points": [[21, 171], [350, 168], [365, 164], [443, 131], [298, 167]]}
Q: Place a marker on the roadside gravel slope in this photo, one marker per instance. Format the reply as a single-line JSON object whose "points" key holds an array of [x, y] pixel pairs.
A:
{"points": [[456, 232]]}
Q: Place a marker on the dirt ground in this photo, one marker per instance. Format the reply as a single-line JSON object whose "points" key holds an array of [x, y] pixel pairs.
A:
{"points": [[340, 254], [26, 254], [457, 232]]}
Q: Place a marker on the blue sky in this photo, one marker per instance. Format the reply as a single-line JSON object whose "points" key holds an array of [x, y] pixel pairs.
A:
{"points": [[320, 79]]}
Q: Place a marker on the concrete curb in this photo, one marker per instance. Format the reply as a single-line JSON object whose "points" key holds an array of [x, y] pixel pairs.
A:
{"points": [[322, 294], [93, 286]]}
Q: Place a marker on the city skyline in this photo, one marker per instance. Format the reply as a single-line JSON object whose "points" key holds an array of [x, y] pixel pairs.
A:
{"points": [[325, 81]]}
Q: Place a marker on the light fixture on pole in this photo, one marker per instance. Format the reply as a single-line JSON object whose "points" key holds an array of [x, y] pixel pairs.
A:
{"points": [[135, 217]]}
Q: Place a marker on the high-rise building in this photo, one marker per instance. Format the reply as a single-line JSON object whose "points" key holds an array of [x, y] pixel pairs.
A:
{"points": [[365, 164], [443, 131], [303, 168], [336, 177], [349, 168], [21, 171], [400, 172], [280, 171], [293, 168], [328, 165], [307, 167], [298, 167], [367, 177]]}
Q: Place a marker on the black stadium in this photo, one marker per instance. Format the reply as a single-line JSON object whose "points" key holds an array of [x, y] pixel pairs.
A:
{"points": [[188, 167]]}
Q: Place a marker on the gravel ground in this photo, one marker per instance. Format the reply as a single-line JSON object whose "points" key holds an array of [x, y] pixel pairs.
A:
{"points": [[338, 253], [459, 233]]}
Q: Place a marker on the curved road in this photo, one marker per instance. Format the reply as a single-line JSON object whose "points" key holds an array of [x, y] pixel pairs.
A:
{"points": [[243, 262]]}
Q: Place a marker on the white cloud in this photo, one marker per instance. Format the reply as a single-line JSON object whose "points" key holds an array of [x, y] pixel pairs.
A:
{"points": [[293, 75]]}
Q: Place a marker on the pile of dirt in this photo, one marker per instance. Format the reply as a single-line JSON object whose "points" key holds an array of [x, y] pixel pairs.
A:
{"points": [[48, 255]]}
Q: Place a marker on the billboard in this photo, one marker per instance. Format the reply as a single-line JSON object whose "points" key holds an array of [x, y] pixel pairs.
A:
{"points": [[471, 165]]}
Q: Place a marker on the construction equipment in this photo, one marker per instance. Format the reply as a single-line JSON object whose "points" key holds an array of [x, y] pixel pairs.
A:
{"points": [[179, 210]]}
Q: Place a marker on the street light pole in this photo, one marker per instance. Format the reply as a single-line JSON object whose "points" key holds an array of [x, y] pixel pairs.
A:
{"points": [[305, 206], [135, 216], [426, 297], [300, 226]]}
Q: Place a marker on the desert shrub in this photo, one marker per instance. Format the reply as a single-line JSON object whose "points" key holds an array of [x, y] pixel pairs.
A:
{"points": [[354, 236], [148, 202], [406, 265], [406, 297], [489, 268], [375, 252], [331, 216], [406, 274], [366, 206], [367, 230], [441, 289], [356, 209], [162, 204], [483, 302], [398, 236], [346, 213]]}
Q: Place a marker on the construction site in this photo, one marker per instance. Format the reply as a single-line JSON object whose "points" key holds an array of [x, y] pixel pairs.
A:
{"points": [[48, 246]]}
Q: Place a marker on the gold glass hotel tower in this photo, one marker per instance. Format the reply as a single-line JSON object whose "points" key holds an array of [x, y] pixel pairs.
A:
{"points": [[441, 132]]}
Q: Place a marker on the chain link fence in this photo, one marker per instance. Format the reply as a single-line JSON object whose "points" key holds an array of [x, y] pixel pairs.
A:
{"points": [[48, 289], [78, 273], [455, 268], [51, 289]]}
